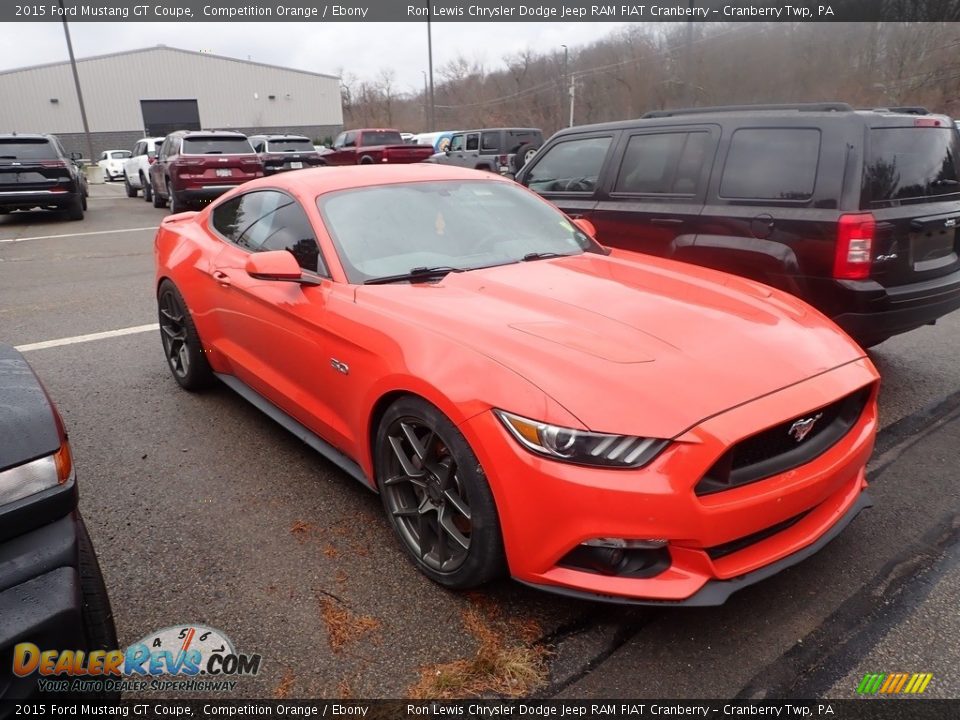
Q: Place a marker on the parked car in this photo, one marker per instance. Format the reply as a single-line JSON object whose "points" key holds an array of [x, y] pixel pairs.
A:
{"points": [[195, 166], [855, 211], [502, 150], [439, 141], [285, 152], [136, 168], [52, 592], [36, 173], [614, 426], [111, 162], [368, 147]]}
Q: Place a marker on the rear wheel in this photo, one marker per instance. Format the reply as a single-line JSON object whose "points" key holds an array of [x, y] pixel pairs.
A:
{"points": [[131, 190], [436, 496], [76, 207], [181, 344], [158, 200], [147, 190], [366, 160], [176, 204]]}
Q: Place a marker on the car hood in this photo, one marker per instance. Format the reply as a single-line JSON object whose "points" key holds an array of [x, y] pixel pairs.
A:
{"points": [[641, 347]]}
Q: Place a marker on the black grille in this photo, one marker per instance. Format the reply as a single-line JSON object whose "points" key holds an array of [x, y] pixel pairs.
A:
{"points": [[777, 450], [719, 551]]}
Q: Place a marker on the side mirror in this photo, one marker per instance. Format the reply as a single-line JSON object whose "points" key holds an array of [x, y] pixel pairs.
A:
{"points": [[273, 265], [586, 227]]}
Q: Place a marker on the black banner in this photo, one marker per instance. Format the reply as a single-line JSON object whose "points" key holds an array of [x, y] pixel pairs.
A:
{"points": [[892, 708], [481, 11]]}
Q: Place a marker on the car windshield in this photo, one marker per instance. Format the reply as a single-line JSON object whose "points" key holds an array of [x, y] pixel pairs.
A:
{"points": [[290, 145], [392, 229], [216, 146], [910, 164], [19, 149], [383, 137]]}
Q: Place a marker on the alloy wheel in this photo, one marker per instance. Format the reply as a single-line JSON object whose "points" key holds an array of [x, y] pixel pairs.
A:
{"points": [[173, 332], [425, 495]]}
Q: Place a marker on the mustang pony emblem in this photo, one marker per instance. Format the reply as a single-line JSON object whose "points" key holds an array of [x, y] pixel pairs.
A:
{"points": [[801, 428]]}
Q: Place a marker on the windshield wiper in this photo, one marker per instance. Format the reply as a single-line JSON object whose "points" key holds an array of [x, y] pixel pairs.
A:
{"points": [[542, 256], [417, 273]]}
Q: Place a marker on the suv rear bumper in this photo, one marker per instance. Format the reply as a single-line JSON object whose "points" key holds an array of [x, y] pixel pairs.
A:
{"points": [[204, 192], [40, 597], [27, 199], [880, 312]]}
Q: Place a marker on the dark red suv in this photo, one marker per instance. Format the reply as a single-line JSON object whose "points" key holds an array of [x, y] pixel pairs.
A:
{"points": [[197, 166]]}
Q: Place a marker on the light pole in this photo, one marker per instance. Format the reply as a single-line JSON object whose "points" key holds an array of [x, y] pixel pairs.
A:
{"points": [[432, 120], [426, 101], [76, 82], [573, 95], [563, 82]]}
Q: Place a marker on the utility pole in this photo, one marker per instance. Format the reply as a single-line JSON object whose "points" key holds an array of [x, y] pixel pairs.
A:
{"points": [[76, 82], [573, 95], [688, 91], [426, 101], [432, 121], [563, 81]]}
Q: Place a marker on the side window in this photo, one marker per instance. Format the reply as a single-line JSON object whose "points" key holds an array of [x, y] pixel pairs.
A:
{"points": [[269, 220], [291, 230], [103, 156], [259, 146], [663, 163], [771, 164], [456, 143], [138, 149], [490, 141], [350, 139], [473, 141], [569, 166], [338, 143]]}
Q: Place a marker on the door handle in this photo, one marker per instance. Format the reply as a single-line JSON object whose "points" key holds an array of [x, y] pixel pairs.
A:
{"points": [[666, 221], [221, 277]]}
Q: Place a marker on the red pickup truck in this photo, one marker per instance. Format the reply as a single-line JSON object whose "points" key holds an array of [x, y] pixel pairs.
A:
{"points": [[369, 147]]}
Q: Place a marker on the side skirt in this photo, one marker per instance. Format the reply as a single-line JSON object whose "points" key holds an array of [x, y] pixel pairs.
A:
{"points": [[343, 462]]}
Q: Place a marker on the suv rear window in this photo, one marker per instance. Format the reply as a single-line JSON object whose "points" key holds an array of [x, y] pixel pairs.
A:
{"points": [[771, 164], [20, 149], [910, 164], [290, 145], [216, 146], [516, 138]]}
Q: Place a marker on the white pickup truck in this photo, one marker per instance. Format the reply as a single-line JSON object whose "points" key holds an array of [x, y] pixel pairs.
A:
{"points": [[136, 168]]}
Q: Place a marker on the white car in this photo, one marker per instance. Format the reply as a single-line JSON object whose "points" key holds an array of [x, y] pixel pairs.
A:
{"points": [[136, 168], [111, 162]]}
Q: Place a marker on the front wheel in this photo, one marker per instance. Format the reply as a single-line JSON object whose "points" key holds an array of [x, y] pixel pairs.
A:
{"points": [[436, 496], [131, 190], [98, 624], [181, 343]]}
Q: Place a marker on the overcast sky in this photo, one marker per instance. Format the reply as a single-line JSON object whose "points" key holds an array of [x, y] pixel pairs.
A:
{"points": [[362, 49]]}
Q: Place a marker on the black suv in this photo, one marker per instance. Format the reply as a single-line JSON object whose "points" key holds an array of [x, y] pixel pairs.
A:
{"points": [[280, 153], [52, 594], [855, 211], [37, 173], [502, 150]]}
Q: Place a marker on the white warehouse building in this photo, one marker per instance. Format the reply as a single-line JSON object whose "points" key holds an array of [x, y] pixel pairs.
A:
{"points": [[157, 90]]}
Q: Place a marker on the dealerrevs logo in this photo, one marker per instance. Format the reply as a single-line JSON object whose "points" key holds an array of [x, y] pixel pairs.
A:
{"points": [[181, 652]]}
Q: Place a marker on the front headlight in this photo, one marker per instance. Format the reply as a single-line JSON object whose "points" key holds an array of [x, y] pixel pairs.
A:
{"points": [[36, 476], [581, 446]]}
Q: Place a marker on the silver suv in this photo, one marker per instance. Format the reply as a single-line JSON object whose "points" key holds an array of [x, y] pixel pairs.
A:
{"points": [[500, 150]]}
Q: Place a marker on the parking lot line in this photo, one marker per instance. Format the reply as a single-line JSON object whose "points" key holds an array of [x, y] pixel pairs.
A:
{"points": [[87, 338], [84, 234]]}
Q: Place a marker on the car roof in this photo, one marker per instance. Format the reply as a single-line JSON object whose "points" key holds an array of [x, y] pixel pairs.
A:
{"points": [[24, 136], [208, 133], [288, 136], [317, 181], [496, 129]]}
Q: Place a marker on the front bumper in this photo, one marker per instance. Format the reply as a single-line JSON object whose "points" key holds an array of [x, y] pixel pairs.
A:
{"points": [[40, 597], [547, 509]]}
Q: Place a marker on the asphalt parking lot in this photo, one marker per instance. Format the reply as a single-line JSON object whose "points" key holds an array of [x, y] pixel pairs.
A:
{"points": [[204, 511]]}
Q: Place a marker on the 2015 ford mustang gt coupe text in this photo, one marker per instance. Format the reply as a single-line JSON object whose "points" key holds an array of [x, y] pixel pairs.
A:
{"points": [[613, 426]]}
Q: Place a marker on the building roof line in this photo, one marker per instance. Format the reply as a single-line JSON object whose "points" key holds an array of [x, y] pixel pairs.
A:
{"points": [[174, 49]]}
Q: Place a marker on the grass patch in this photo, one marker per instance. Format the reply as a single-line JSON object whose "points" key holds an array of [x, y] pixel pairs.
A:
{"points": [[508, 662]]}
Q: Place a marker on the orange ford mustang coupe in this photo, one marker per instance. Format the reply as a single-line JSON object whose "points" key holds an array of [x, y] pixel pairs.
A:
{"points": [[613, 426]]}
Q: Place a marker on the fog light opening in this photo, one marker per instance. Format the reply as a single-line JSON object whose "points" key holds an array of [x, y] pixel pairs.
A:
{"points": [[619, 557]]}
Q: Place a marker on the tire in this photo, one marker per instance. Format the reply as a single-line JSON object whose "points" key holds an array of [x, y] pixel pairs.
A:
{"points": [[366, 160], [523, 155], [181, 344], [98, 623], [76, 207], [131, 190], [176, 205], [437, 492], [83, 202], [158, 200], [147, 190]]}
